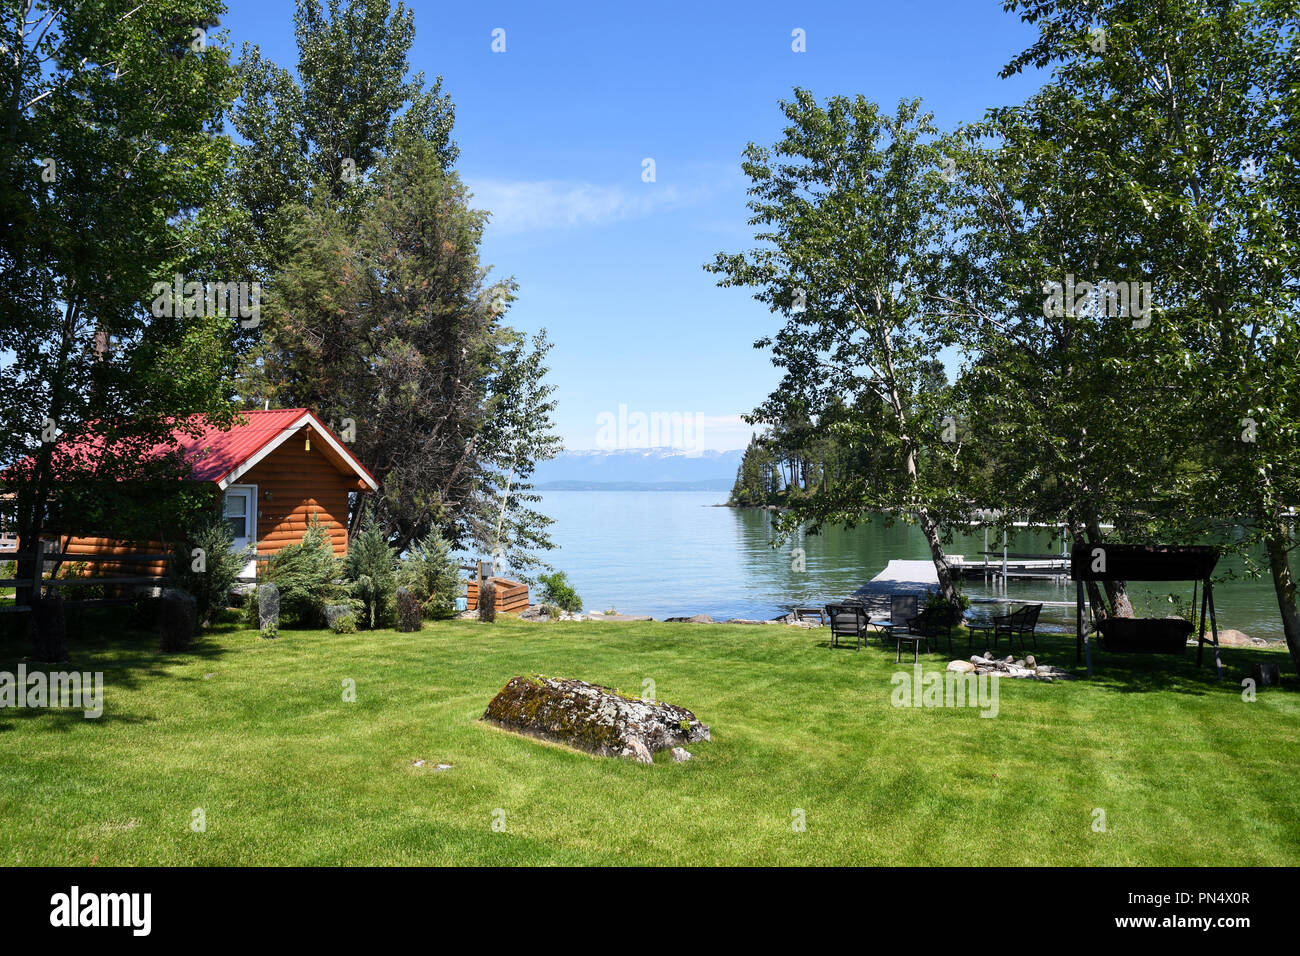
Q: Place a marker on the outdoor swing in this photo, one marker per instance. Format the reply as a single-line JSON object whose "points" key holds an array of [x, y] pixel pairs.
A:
{"points": [[1145, 635]]}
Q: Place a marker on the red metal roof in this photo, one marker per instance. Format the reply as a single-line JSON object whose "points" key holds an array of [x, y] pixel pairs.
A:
{"points": [[214, 453]]}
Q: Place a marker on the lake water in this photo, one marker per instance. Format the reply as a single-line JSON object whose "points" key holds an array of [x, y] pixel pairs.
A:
{"points": [[676, 553]]}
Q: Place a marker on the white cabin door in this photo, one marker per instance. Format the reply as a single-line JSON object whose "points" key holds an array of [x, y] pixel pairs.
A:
{"points": [[240, 512]]}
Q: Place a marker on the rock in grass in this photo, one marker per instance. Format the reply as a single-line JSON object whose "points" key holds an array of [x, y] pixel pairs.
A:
{"points": [[1266, 675], [592, 718], [268, 609], [178, 620], [410, 617]]}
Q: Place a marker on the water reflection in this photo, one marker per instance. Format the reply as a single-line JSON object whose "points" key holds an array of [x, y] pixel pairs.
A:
{"points": [[673, 553]]}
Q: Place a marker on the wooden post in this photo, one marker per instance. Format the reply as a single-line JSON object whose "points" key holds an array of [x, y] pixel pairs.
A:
{"points": [[478, 578]]}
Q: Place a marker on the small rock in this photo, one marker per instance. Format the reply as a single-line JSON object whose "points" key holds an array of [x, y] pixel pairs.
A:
{"points": [[1228, 637], [961, 667], [638, 751], [681, 755], [442, 766], [209, 676], [1030, 661], [1009, 659], [418, 763]]}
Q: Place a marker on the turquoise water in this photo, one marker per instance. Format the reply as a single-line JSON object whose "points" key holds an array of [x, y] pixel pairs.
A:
{"points": [[675, 553]]}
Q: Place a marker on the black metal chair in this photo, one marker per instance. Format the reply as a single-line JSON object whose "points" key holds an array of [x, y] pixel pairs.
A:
{"points": [[1018, 623], [902, 608], [848, 620], [935, 620]]}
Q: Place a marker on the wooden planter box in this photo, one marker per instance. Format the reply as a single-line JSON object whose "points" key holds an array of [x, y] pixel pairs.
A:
{"points": [[512, 596]]}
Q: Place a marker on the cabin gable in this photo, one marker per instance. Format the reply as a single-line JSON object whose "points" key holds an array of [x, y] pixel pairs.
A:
{"points": [[293, 484]]}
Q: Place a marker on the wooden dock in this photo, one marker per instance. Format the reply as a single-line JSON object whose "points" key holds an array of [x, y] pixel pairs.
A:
{"points": [[898, 577], [903, 576]]}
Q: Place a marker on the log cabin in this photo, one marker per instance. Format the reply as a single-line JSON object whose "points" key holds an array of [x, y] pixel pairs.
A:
{"points": [[274, 471]]}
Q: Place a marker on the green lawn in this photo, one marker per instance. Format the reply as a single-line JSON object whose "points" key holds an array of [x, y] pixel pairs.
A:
{"points": [[257, 734]]}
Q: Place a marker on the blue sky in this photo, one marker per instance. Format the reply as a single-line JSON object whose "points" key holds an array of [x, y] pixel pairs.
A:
{"points": [[553, 133]]}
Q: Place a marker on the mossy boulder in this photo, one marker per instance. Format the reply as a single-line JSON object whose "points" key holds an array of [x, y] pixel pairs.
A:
{"points": [[592, 718]]}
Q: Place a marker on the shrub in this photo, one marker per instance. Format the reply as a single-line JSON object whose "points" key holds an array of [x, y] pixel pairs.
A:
{"points": [[371, 571], [409, 616], [557, 590], [432, 576], [341, 618], [487, 601], [218, 570], [248, 612], [307, 576]]}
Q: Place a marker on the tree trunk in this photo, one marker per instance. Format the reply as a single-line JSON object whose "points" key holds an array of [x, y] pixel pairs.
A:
{"points": [[931, 531], [1117, 599], [1285, 586]]}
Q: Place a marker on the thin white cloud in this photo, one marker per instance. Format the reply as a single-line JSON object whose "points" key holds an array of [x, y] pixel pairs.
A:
{"points": [[725, 432], [529, 206]]}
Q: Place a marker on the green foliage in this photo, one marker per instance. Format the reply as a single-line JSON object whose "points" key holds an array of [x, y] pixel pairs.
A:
{"points": [[248, 613], [344, 623], [371, 570], [936, 601], [432, 576], [854, 230], [221, 565], [111, 146], [382, 305], [518, 433], [557, 590], [307, 575], [318, 136]]}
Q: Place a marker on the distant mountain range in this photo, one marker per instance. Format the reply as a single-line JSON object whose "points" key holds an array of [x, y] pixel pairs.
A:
{"points": [[638, 469]]}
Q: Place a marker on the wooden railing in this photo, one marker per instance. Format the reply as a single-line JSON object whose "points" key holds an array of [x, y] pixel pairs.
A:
{"points": [[37, 581]]}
